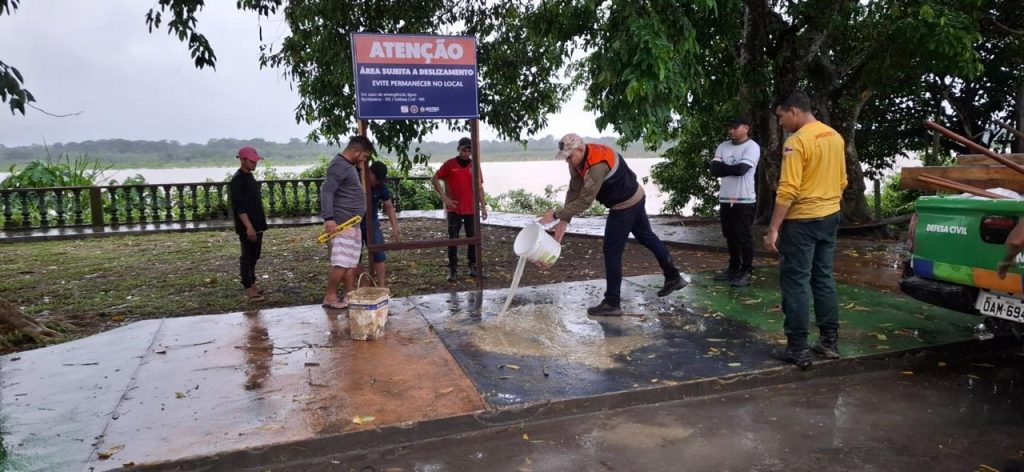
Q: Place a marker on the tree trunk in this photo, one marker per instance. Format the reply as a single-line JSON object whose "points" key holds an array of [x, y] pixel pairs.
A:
{"points": [[754, 94], [854, 205], [769, 136], [13, 320]]}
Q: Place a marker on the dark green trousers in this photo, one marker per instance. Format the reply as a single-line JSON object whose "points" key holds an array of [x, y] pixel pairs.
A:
{"points": [[807, 249]]}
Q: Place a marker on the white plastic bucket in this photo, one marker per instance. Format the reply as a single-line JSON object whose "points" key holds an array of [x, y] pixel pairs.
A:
{"points": [[367, 311], [536, 245]]}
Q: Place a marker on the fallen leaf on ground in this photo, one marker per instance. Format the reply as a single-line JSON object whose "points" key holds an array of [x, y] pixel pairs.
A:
{"points": [[509, 366], [109, 452], [751, 302], [907, 372], [526, 437], [363, 419], [882, 337], [179, 394], [446, 390]]}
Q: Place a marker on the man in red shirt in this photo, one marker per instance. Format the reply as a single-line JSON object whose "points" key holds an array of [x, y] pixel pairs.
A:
{"points": [[457, 174]]}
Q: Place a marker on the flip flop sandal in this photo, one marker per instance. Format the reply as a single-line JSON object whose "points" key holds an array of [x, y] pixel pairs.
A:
{"points": [[336, 304]]}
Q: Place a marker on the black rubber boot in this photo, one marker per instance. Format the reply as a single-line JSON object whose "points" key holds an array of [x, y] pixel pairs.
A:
{"points": [[742, 279], [800, 357], [672, 284], [725, 276], [604, 309], [828, 345], [453, 274]]}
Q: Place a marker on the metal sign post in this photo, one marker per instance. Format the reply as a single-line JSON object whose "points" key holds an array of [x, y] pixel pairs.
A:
{"points": [[418, 77]]}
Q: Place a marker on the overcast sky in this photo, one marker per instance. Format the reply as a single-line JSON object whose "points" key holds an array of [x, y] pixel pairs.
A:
{"points": [[97, 57]]}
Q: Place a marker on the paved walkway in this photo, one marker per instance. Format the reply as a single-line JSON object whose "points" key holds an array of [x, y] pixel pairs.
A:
{"points": [[253, 389], [956, 418]]}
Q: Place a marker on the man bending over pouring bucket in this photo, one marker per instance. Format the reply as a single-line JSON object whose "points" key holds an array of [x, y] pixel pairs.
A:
{"points": [[598, 172]]}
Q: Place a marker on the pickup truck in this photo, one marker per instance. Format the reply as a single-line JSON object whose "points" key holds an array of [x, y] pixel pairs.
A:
{"points": [[955, 244]]}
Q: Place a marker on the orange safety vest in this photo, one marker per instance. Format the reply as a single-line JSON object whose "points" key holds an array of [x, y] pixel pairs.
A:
{"points": [[620, 184]]}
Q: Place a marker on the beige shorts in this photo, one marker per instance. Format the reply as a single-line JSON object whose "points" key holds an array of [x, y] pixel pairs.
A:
{"points": [[346, 248]]}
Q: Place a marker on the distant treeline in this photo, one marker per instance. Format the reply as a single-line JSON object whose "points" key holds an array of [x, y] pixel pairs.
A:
{"points": [[121, 153]]}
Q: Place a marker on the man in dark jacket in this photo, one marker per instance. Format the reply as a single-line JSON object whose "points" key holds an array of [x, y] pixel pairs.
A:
{"points": [[250, 221], [598, 172]]}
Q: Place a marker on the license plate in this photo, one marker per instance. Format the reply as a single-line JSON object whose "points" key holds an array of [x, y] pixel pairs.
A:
{"points": [[1000, 307]]}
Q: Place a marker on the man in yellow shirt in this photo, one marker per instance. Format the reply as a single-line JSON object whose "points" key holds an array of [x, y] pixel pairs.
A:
{"points": [[803, 229]]}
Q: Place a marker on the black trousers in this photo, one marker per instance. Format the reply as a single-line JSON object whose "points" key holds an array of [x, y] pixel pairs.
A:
{"points": [[737, 219], [247, 262], [455, 223]]}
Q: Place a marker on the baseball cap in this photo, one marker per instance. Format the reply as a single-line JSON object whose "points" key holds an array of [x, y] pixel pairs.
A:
{"points": [[738, 120], [380, 170], [465, 142], [249, 154], [567, 144]]}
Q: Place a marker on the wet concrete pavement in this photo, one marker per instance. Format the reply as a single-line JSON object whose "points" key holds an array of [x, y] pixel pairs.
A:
{"points": [[283, 381], [705, 330], [961, 417], [169, 389], [252, 389]]}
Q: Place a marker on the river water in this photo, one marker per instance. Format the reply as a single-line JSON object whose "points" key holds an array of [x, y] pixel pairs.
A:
{"points": [[499, 177]]}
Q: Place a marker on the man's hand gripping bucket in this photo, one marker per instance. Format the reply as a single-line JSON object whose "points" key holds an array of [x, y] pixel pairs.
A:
{"points": [[537, 246], [367, 311]]}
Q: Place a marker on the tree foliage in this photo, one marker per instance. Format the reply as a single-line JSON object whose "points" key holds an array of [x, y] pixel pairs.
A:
{"points": [[856, 59], [12, 84], [517, 62], [665, 71]]}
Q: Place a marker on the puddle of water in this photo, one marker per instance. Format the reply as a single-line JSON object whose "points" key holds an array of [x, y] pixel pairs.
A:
{"points": [[515, 284], [552, 331]]}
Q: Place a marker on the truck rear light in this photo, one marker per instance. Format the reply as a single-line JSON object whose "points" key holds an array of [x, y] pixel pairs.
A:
{"points": [[996, 228], [911, 232]]}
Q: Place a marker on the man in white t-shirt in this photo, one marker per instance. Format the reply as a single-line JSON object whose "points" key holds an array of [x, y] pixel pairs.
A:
{"points": [[735, 164]]}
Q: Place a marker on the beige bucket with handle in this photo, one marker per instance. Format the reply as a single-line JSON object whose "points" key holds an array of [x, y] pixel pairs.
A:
{"points": [[367, 311]]}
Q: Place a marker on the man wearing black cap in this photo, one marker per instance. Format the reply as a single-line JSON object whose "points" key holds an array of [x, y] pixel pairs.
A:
{"points": [[735, 163], [457, 174], [381, 198]]}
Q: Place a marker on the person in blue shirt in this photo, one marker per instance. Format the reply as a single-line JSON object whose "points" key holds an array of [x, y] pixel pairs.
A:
{"points": [[381, 196]]}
